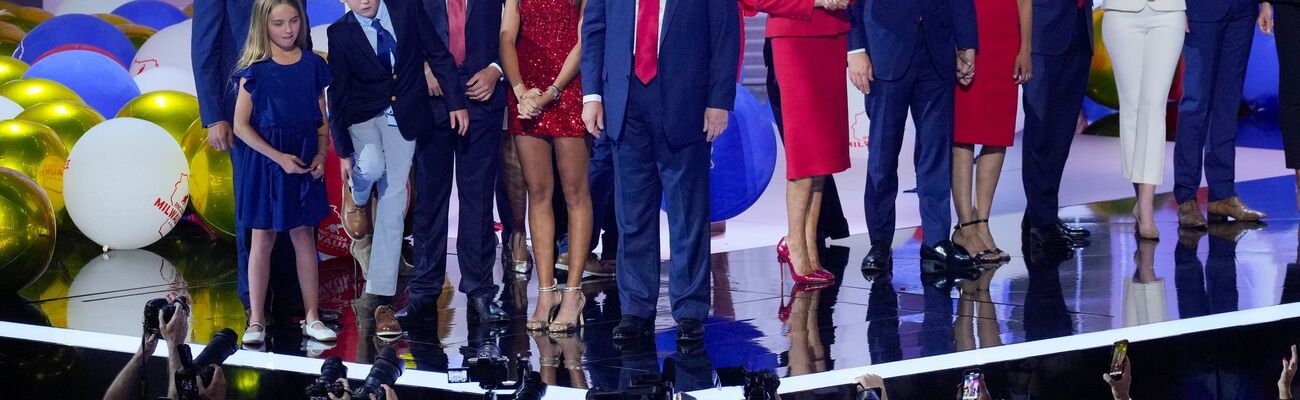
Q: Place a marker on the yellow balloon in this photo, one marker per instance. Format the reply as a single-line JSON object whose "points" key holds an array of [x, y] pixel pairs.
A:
{"points": [[173, 111], [189, 10], [27, 231], [26, 17], [68, 119], [11, 69], [113, 18], [1101, 74], [10, 36], [5, 5], [212, 182], [137, 33], [28, 92], [35, 150]]}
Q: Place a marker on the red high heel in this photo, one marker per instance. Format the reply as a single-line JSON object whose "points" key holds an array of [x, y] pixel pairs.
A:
{"points": [[795, 291], [783, 259]]}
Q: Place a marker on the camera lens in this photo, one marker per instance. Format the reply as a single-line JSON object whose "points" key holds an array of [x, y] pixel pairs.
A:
{"points": [[386, 370], [221, 347]]}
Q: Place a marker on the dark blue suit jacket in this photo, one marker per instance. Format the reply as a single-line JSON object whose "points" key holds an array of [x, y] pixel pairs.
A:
{"points": [[1218, 10], [220, 30], [363, 87], [1054, 25], [698, 53], [888, 31], [482, 42]]}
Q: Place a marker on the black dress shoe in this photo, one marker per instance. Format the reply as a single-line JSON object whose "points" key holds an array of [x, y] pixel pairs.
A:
{"points": [[1050, 237], [417, 317], [488, 311], [632, 327], [945, 256], [879, 259], [690, 330], [1073, 232]]}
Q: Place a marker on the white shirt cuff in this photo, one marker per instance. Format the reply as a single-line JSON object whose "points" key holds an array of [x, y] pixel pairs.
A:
{"points": [[591, 98], [852, 52], [498, 67]]}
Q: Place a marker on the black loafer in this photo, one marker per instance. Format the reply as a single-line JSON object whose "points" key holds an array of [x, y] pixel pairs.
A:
{"points": [[1073, 232], [879, 259], [945, 256], [632, 327], [488, 311], [690, 330]]}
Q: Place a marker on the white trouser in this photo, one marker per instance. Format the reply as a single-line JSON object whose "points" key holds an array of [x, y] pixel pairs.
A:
{"points": [[382, 161], [1144, 47]]}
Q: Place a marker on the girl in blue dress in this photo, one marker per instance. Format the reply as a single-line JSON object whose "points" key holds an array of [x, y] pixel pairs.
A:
{"points": [[280, 115]]}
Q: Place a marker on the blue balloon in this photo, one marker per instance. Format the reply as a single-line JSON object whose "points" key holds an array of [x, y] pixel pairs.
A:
{"points": [[743, 158], [1261, 90], [76, 32], [151, 13], [324, 12], [99, 81]]}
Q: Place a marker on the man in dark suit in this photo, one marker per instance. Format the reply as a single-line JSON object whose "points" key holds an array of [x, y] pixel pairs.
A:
{"points": [[658, 77], [220, 30], [470, 29], [1215, 53], [1062, 53], [915, 46]]}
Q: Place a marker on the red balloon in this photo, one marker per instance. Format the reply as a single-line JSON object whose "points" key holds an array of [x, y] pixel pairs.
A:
{"points": [[332, 239]]}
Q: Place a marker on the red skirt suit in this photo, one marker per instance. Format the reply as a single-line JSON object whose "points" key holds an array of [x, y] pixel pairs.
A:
{"points": [[986, 110]]}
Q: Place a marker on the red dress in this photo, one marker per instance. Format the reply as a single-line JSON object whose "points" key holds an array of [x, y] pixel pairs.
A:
{"points": [[986, 110], [548, 32], [809, 48]]}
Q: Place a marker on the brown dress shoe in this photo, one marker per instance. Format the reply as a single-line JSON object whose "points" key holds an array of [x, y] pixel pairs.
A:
{"points": [[386, 325], [1232, 207], [1189, 215], [356, 219], [600, 268]]}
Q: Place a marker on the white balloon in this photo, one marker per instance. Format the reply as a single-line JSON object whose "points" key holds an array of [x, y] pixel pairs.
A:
{"points": [[181, 4], [9, 109], [118, 312], [126, 183], [51, 5], [166, 78], [170, 47], [88, 6], [320, 41]]}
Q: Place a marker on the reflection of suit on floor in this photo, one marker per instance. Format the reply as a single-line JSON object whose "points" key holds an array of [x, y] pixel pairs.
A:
{"points": [[1208, 289], [1045, 313], [220, 30], [883, 342], [912, 45]]}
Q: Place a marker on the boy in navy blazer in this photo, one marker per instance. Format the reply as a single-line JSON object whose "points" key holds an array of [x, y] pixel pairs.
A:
{"points": [[389, 74]]}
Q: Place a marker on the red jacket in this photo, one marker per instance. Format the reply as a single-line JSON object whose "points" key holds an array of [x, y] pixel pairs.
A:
{"points": [[797, 18]]}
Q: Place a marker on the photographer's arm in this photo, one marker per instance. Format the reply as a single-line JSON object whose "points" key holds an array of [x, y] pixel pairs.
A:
{"points": [[124, 386], [174, 332]]}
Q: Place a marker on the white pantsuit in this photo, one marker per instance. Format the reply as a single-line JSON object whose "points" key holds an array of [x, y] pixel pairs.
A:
{"points": [[382, 163], [1144, 39]]}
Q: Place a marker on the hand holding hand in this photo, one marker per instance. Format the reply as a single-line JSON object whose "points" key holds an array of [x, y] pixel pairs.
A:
{"points": [[965, 66], [290, 163], [528, 104]]}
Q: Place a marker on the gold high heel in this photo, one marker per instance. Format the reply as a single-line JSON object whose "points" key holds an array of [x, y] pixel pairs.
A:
{"points": [[539, 325], [570, 327]]}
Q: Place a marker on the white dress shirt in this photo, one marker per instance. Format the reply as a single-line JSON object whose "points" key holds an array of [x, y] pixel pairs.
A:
{"points": [[663, 4]]}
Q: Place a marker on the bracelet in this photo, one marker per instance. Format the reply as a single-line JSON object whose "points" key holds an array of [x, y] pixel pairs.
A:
{"points": [[554, 91]]}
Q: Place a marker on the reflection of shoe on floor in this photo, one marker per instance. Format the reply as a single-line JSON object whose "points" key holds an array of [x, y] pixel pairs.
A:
{"points": [[386, 325], [361, 253], [1233, 231], [314, 348], [1189, 237]]}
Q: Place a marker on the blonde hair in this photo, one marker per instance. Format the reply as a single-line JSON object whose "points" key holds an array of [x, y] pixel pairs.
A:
{"points": [[258, 46]]}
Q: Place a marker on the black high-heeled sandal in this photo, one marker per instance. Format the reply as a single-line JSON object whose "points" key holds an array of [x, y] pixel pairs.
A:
{"points": [[1003, 256], [982, 256]]}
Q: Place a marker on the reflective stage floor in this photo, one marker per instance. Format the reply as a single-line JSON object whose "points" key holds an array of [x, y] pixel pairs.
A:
{"points": [[904, 325]]}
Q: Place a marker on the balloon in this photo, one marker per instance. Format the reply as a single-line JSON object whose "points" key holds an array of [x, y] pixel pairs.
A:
{"points": [[104, 306], [1261, 89], [113, 18], [11, 69], [5, 5], [189, 10], [35, 150], [87, 6], [28, 230], [71, 253], [212, 183], [9, 109], [180, 3], [139, 34], [99, 81], [170, 47], [324, 12], [330, 238], [166, 78], [173, 111], [1106, 126], [1101, 76], [151, 13], [26, 18], [126, 183], [72, 32], [10, 36], [320, 39], [31, 91], [68, 119]]}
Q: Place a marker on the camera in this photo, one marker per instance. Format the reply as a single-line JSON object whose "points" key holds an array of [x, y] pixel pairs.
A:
{"points": [[153, 308], [646, 386], [492, 371], [205, 365], [328, 382], [761, 385], [385, 371]]}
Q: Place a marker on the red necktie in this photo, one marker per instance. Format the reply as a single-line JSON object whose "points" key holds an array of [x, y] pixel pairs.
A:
{"points": [[1080, 3], [456, 30], [647, 40]]}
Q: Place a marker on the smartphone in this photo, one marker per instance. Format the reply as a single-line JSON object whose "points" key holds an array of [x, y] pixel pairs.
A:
{"points": [[1117, 354], [971, 385]]}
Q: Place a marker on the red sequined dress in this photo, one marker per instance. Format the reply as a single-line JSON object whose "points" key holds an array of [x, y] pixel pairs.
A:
{"points": [[548, 32]]}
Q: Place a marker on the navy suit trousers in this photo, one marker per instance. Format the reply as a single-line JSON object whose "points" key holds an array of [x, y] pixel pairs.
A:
{"points": [[1214, 56], [1052, 102]]}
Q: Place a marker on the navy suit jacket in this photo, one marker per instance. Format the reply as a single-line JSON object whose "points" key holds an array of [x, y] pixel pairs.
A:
{"points": [[220, 30], [363, 87], [1054, 25], [1218, 10], [699, 50], [888, 31], [482, 42]]}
